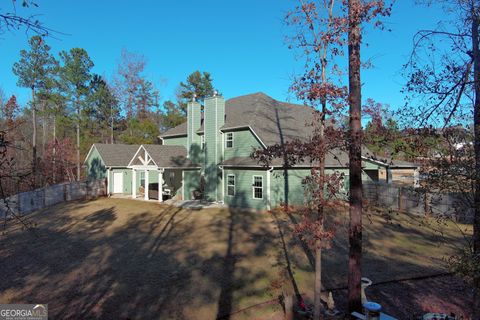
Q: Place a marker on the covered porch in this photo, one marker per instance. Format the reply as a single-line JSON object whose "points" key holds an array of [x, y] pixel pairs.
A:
{"points": [[160, 173]]}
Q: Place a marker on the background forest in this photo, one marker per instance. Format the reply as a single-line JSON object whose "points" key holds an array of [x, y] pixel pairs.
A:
{"points": [[71, 108]]}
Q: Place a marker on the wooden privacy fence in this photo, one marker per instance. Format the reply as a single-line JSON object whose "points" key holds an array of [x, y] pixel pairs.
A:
{"points": [[417, 201], [29, 201]]}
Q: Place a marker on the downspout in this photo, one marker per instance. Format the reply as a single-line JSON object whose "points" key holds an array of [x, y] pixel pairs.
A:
{"points": [[269, 172], [223, 184]]}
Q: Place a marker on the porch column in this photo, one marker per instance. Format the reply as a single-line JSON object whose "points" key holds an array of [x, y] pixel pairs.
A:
{"points": [[160, 185], [416, 178], [146, 184], [108, 182], [134, 183]]}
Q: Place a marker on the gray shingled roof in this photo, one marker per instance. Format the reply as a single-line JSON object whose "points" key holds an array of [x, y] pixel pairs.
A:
{"points": [[169, 156], [116, 155], [272, 120], [181, 129], [334, 159]]}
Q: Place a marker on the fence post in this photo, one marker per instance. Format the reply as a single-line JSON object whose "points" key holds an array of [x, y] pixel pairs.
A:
{"points": [[400, 195], [425, 204], [44, 200]]}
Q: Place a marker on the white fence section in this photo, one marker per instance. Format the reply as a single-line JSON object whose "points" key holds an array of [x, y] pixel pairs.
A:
{"points": [[416, 201], [30, 201]]}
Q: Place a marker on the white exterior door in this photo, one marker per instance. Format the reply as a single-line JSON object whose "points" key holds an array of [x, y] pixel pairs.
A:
{"points": [[118, 182]]}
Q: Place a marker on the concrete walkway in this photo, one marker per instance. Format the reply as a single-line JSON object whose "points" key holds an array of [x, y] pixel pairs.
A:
{"points": [[188, 204], [194, 204]]}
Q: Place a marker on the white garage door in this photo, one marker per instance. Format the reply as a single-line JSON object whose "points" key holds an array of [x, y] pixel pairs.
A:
{"points": [[118, 182]]}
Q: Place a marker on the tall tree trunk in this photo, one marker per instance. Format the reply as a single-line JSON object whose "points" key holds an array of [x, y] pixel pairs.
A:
{"points": [[355, 159], [111, 125], [320, 210], [78, 138], [476, 108], [54, 150], [318, 307], [44, 129], [34, 141]]}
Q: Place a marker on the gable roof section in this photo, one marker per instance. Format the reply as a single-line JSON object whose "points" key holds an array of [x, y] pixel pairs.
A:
{"points": [[180, 130], [168, 156], [115, 155]]}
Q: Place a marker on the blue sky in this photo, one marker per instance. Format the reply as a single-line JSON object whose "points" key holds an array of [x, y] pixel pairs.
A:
{"points": [[239, 42]]}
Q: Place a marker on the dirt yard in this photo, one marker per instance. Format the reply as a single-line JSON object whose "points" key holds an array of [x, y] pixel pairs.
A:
{"points": [[125, 259]]}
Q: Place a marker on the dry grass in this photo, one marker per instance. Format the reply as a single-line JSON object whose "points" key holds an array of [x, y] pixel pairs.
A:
{"points": [[124, 259]]}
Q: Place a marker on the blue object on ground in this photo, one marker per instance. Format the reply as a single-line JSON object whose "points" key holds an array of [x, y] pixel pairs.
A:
{"points": [[372, 306]]}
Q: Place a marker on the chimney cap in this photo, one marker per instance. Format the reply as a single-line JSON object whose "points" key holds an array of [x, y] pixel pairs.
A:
{"points": [[215, 93], [194, 97]]}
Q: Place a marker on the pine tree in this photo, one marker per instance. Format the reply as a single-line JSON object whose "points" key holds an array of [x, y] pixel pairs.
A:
{"points": [[75, 78], [32, 70]]}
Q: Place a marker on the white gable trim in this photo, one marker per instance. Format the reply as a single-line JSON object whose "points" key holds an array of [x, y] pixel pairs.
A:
{"points": [[146, 161]]}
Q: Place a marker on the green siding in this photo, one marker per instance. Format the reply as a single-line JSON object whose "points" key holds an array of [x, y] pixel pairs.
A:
{"points": [[288, 188], [370, 171], [244, 142], [191, 182], [194, 116], [196, 153], [175, 141], [370, 165], [244, 191], [127, 180], [95, 167], [214, 119]]}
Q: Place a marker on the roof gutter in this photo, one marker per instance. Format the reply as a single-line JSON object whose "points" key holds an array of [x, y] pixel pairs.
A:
{"points": [[172, 135]]}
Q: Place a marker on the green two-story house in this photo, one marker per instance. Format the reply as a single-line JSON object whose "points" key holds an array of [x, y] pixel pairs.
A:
{"points": [[209, 156], [221, 139]]}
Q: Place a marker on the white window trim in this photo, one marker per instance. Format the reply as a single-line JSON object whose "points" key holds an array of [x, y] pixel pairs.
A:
{"points": [[226, 140], [142, 173], [231, 185], [253, 187]]}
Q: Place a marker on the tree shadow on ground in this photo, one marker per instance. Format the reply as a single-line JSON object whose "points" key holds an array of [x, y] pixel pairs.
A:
{"points": [[153, 262], [394, 253]]}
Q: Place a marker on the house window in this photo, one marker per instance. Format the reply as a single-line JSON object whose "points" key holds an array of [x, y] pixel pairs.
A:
{"points": [[257, 187], [142, 178], [231, 185], [202, 141], [229, 140]]}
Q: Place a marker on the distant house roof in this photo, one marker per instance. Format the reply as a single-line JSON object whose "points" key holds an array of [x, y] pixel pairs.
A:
{"points": [[169, 156], [394, 164], [115, 155]]}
